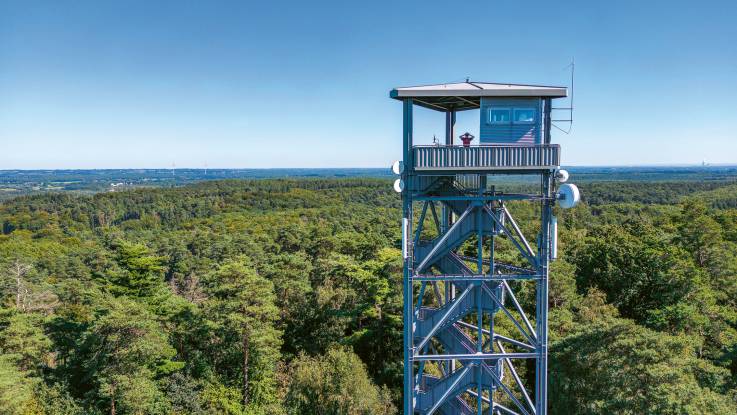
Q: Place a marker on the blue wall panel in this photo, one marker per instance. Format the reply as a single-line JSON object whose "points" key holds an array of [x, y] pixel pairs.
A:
{"points": [[511, 133]]}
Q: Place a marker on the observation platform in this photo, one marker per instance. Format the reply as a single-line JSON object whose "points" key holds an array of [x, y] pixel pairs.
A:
{"points": [[486, 157]]}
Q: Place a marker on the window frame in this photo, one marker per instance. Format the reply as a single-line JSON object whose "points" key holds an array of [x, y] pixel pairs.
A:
{"points": [[509, 113], [514, 115]]}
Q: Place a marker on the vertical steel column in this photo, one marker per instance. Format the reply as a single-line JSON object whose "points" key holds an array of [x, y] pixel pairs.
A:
{"points": [[491, 317], [479, 307], [480, 271], [548, 121], [543, 259], [407, 288], [450, 120]]}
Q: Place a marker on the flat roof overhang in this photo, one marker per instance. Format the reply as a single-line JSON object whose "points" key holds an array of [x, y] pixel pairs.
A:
{"points": [[463, 96]]}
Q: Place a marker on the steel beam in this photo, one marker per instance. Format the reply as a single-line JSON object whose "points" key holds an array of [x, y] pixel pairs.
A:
{"points": [[476, 277], [443, 320], [474, 357], [444, 237], [407, 288], [541, 378], [420, 197], [516, 377]]}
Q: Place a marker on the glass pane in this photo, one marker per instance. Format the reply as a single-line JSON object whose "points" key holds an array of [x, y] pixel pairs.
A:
{"points": [[524, 115], [499, 116]]}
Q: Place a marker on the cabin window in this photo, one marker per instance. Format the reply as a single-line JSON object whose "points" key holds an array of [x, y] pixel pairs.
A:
{"points": [[524, 115], [499, 116]]}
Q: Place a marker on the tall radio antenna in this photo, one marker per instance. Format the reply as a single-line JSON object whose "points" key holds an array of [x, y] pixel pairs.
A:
{"points": [[572, 66]]}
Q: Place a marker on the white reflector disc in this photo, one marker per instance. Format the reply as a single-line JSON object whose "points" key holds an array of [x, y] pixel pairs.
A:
{"points": [[568, 196], [562, 176], [398, 185]]}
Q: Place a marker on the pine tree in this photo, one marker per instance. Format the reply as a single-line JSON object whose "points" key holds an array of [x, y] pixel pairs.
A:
{"points": [[242, 311]]}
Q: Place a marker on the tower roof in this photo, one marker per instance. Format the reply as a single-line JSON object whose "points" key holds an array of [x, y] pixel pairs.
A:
{"points": [[461, 96]]}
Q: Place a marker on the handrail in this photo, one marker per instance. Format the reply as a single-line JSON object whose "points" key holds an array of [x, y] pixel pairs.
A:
{"points": [[485, 145], [486, 156]]}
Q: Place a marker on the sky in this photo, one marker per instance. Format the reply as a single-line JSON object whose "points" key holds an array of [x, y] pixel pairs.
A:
{"points": [[242, 84]]}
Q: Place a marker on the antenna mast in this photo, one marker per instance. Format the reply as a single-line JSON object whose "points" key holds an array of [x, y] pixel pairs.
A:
{"points": [[571, 65]]}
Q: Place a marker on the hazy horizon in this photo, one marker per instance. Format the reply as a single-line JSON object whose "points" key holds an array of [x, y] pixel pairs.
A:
{"points": [[387, 168]]}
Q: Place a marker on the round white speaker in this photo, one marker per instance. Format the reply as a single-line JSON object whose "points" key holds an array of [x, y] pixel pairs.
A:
{"points": [[562, 176], [568, 196], [398, 185]]}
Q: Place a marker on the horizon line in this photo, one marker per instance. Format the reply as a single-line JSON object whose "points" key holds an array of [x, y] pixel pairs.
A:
{"points": [[355, 168]]}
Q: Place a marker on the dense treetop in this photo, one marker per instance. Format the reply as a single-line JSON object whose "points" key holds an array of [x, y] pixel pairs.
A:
{"points": [[284, 296]]}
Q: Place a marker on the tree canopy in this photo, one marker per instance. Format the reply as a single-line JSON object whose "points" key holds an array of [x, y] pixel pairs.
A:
{"points": [[284, 296]]}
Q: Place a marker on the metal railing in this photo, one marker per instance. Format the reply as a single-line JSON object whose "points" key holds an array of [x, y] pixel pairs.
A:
{"points": [[486, 157]]}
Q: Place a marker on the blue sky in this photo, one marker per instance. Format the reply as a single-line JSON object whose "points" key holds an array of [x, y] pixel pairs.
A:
{"points": [[131, 84]]}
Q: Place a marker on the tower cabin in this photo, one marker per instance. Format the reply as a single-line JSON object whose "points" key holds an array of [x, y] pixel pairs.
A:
{"points": [[514, 129]]}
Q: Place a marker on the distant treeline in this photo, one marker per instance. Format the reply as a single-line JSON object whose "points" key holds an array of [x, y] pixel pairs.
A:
{"points": [[22, 182]]}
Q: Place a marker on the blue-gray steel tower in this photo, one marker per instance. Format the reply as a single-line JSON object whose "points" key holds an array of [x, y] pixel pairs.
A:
{"points": [[467, 338]]}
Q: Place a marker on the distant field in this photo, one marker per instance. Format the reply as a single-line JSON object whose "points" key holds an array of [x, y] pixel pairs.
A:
{"points": [[23, 182]]}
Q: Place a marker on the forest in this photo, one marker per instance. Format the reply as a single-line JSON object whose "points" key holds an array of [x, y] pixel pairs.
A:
{"points": [[283, 296]]}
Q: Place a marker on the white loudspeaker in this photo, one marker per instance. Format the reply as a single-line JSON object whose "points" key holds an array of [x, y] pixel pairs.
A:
{"points": [[562, 176], [568, 196], [398, 185]]}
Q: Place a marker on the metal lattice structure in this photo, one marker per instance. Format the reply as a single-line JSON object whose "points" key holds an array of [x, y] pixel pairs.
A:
{"points": [[455, 359]]}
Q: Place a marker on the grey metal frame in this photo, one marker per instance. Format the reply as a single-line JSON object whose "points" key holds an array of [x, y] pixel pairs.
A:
{"points": [[473, 359]]}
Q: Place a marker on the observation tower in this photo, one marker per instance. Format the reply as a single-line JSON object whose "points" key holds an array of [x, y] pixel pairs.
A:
{"points": [[469, 346]]}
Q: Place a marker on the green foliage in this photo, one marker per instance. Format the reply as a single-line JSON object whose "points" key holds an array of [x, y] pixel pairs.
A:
{"points": [[185, 394], [626, 369], [241, 313], [55, 400], [17, 389], [266, 297], [334, 384], [698, 233], [220, 399], [24, 342], [124, 351], [141, 272], [638, 269]]}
